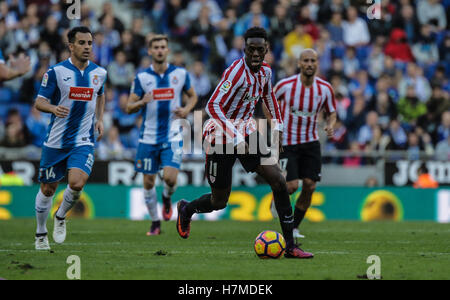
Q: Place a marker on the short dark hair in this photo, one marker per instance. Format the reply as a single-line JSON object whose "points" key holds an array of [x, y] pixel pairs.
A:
{"points": [[255, 32], [73, 32], [158, 37]]}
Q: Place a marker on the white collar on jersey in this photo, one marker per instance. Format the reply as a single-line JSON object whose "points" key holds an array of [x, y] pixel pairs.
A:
{"points": [[82, 71]]}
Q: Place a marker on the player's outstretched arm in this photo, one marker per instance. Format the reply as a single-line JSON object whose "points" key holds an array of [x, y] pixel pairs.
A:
{"points": [[18, 66], [135, 103], [44, 105], [182, 112]]}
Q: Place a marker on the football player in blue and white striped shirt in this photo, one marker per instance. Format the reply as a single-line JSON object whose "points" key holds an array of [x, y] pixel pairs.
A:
{"points": [[73, 92], [158, 94]]}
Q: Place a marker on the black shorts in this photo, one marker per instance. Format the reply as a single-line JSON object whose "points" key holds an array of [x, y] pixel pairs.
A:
{"points": [[219, 167], [302, 161]]}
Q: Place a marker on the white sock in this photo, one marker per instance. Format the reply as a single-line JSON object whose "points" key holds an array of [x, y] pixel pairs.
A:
{"points": [[43, 206], [152, 203], [70, 197], [168, 190]]}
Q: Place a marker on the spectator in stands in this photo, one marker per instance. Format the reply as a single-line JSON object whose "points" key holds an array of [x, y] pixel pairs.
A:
{"points": [[336, 29], [360, 82], [236, 52], [246, 21], [425, 50], [432, 12], [51, 35], [26, 36], [111, 147], [397, 136], [385, 107], [356, 33], [354, 160], [375, 62], [366, 132], [406, 20], [350, 62], [330, 7], [195, 6], [121, 73], [443, 130], [112, 36], [102, 51], [309, 25], [414, 77], [410, 107], [324, 48], [443, 150], [398, 47], [340, 139], [201, 83], [124, 122], [16, 133], [356, 116], [296, 41], [129, 48], [280, 26], [424, 179]]}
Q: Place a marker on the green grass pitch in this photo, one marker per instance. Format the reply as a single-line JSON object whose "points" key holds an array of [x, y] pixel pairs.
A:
{"points": [[119, 249]]}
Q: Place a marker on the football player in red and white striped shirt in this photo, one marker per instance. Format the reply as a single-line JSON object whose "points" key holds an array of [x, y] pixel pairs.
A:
{"points": [[302, 97], [231, 126]]}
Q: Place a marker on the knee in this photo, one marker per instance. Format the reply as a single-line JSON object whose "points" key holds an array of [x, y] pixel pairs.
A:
{"points": [[309, 185], [171, 182], [292, 187], [149, 182], [76, 186], [278, 183], [48, 190]]}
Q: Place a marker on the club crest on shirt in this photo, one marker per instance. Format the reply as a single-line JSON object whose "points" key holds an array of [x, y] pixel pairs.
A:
{"points": [[225, 87], [175, 80], [45, 80], [139, 164], [95, 80]]}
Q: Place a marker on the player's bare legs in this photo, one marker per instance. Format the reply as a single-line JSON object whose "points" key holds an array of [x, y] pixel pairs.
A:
{"points": [[151, 202], [44, 200], [303, 203], [77, 181], [170, 176]]}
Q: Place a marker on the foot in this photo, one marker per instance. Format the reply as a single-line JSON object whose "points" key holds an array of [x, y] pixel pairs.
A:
{"points": [[59, 230], [183, 221], [297, 234], [296, 252], [41, 243], [155, 229], [167, 208]]}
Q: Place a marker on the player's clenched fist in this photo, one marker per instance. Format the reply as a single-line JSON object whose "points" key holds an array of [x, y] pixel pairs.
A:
{"points": [[61, 111]]}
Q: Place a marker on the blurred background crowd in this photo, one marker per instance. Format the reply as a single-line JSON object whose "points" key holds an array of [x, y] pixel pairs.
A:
{"points": [[390, 74]]}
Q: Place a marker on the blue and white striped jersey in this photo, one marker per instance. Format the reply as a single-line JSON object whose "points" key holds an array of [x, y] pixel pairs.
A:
{"points": [[64, 84], [158, 115]]}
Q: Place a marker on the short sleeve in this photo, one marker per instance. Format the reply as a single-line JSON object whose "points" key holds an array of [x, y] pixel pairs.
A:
{"points": [[187, 82], [2, 59], [136, 87], [48, 85]]}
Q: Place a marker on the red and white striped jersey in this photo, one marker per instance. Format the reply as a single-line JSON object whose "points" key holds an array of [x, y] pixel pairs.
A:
{"points": [[233, 102], [300, 107]]}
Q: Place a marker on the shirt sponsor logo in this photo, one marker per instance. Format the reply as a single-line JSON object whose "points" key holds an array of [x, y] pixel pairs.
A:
{"points": [[163, 94], [299, 113], [81, 94]]}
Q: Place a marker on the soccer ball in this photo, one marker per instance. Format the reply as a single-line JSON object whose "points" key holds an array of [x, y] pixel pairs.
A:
{"points": [[270, 244]]}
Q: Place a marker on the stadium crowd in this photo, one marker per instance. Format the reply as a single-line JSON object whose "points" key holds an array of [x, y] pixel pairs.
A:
{"points": [[390, 75]]}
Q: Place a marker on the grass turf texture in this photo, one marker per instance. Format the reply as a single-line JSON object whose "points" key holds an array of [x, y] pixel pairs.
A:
{"points": [[119, 249]]}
